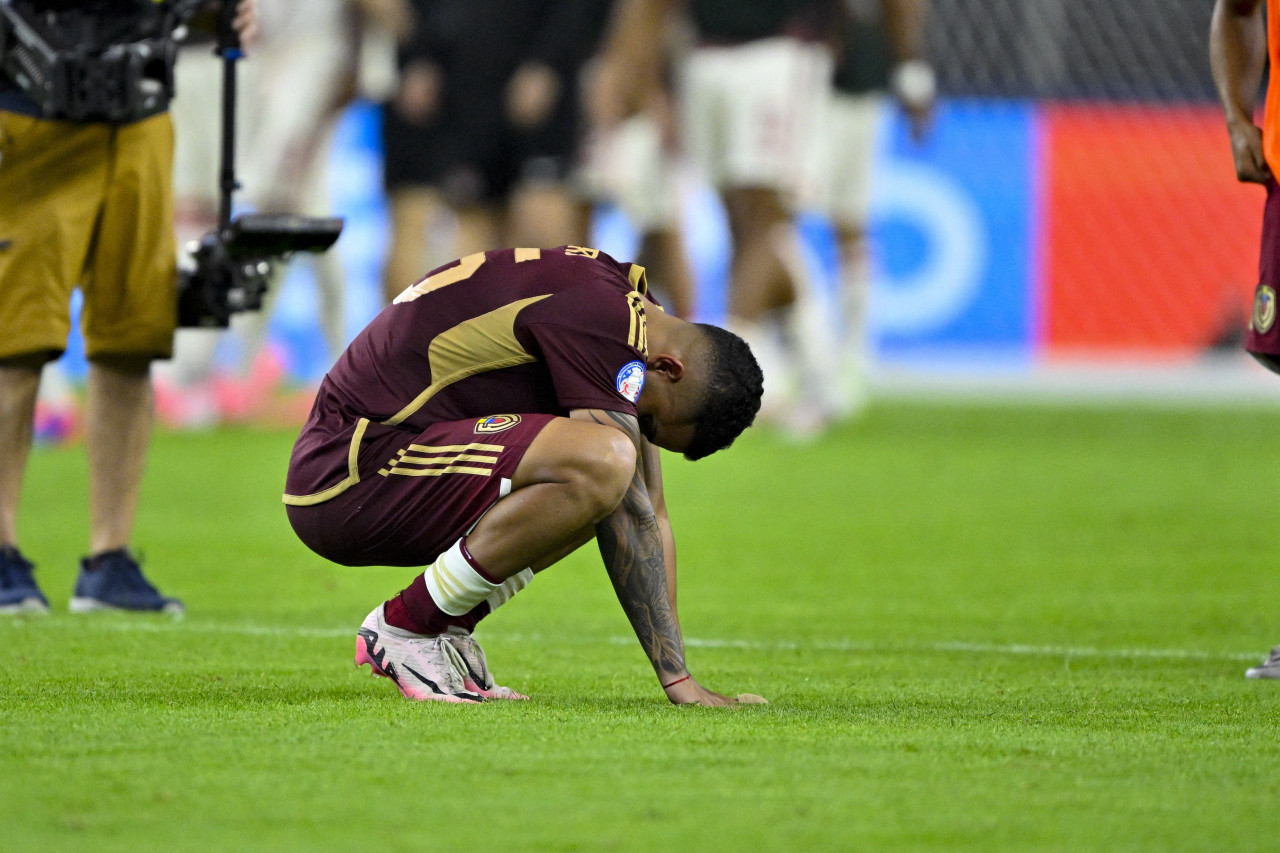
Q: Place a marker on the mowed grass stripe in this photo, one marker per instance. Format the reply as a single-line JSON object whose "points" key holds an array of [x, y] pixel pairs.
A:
{"points": [[839, 645]]}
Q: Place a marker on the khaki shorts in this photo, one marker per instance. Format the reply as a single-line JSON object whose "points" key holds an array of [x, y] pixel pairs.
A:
{"points": [[88, 206]]}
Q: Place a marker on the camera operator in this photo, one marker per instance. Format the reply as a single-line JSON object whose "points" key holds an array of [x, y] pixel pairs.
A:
{"points": [[86, 201]]}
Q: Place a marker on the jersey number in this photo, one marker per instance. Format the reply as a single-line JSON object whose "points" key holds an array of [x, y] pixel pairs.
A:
{"points": [[464, 270], [467, 267]]}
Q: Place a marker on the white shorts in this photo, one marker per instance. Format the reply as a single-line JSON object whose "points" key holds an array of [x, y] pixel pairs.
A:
{"points": [[842, 155], [630, 167], [746, 110], [293, 88], [289, 85]]}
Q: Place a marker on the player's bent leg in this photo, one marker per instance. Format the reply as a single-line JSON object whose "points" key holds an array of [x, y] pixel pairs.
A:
{"points": [[572, 475]]}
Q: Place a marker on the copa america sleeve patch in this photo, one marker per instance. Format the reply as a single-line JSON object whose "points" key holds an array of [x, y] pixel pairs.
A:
{"points": [[631, 380]]}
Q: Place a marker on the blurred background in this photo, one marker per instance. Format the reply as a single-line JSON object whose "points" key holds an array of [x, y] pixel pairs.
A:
{"points": [[1070, 225]]}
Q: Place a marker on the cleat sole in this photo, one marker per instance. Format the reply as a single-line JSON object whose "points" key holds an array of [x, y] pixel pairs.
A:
{"points": [[26, 605]]}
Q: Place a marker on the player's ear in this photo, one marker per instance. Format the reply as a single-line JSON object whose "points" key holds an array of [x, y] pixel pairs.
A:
{"points": [[668, 365]]}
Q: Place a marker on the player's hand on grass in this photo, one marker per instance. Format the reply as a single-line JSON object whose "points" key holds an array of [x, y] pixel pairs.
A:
{"points": [[686, 691]]}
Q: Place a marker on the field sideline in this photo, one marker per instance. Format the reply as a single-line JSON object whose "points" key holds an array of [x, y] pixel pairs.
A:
{"points": [[981, 627]]}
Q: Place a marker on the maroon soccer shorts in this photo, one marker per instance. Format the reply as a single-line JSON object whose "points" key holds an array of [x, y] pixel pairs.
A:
{"points": [[1262, 338], [432, 488]]}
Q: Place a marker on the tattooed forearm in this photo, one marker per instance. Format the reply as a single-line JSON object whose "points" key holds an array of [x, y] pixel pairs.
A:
{"points": [[631, 545]]}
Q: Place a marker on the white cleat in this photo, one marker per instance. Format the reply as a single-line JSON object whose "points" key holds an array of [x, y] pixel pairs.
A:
{"points": [[1270, 668], [476, 674], [421, 667]]}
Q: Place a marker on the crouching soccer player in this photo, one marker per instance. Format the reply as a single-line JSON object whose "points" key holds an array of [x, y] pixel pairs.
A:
{"points": [[502, 412]]}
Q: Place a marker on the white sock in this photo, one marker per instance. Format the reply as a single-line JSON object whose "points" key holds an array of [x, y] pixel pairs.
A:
{"points": [[508, 588], [454, 584]]}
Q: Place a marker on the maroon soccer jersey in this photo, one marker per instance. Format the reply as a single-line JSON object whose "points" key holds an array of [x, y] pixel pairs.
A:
{"points": [[537, 331]]}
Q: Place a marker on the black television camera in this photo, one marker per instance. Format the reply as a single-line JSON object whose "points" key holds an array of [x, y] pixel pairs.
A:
{"points": [[234, 264], [69, 64]]}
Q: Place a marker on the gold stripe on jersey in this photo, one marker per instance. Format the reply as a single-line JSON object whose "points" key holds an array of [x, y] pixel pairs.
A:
{"points": [[637, 278], [528, 255], [411, 462], [353, 473], [638, 330], [454, 448], [436, 472], [478, 345]]}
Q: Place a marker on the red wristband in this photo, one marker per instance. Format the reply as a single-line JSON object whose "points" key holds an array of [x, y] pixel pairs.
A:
{"points": [[677, 681]]}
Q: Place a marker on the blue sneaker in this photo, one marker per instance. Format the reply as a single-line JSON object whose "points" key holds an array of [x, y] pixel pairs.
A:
{"points": [[18, 590], [113, 581]]}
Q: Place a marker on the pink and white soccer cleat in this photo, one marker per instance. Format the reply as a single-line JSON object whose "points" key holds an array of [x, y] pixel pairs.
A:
{"points": [[476, 674], [420, 667]]}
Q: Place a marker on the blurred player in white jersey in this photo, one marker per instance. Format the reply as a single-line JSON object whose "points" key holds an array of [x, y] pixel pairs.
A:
{"points": [[749, 91]]}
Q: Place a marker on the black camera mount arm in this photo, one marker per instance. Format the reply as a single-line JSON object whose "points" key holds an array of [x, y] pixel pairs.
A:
{"points": [[231, 51]]}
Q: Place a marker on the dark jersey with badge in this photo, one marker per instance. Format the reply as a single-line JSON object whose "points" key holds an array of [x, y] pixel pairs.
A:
{"points": [[501, 332]]}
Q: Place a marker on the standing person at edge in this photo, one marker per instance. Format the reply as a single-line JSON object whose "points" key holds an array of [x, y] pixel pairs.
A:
{"points": [[1239, 43], [749, 92], [87, 204], [500, 413], [880, 56]]}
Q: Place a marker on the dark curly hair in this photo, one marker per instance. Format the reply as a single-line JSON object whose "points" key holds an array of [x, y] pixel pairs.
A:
{"points": [[734, 384]]}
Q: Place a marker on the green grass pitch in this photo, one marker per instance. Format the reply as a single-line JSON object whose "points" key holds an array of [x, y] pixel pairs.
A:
{"points": [[981, 628]]}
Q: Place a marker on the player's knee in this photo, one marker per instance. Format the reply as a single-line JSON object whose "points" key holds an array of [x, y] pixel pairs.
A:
{"points": [[609, 465], [620, 460], [591, 465]]}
